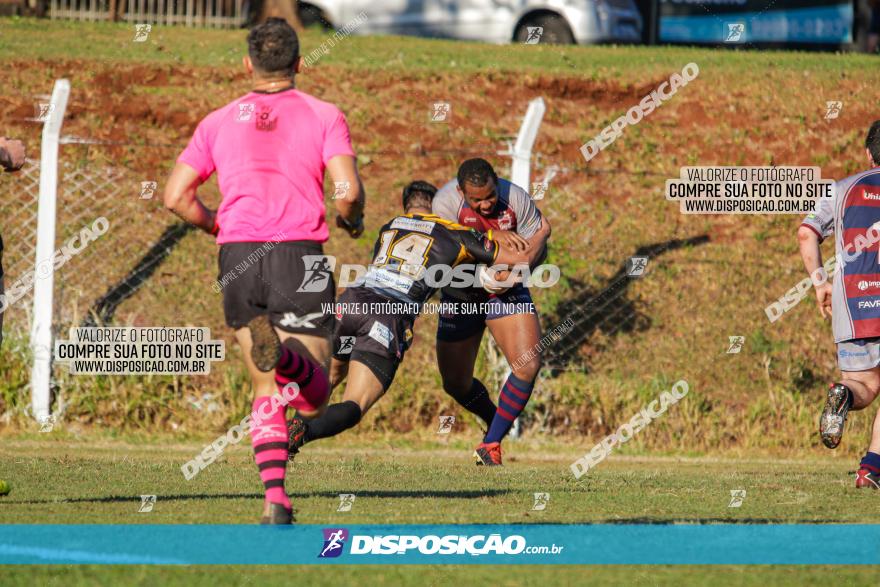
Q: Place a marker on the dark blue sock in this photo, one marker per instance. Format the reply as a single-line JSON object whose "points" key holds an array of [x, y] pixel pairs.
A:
{"points": [[871, 461], [515, 394]]}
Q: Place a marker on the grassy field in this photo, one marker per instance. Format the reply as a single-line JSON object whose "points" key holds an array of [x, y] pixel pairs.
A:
{"points": [[61, 480], [447, 576], [412, 480]]}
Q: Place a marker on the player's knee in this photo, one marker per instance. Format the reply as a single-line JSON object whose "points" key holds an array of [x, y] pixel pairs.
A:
{"points": [[528, 371], [456, 387]]}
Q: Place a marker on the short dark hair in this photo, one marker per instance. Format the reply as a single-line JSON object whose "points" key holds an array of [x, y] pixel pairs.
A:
{"points": [[476, 172], [273, 47], [418, 193], [872, 141]]}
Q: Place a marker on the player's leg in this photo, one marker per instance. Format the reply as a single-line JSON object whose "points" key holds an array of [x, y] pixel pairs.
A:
{"points": [[299, 301], [380, 345], [296, 426], [268, 436], [304, 361], [244, 299], [869, 468], [458, 343], [338, 372], [517, 335], [363, 388], [865, 386], [859, 384]]}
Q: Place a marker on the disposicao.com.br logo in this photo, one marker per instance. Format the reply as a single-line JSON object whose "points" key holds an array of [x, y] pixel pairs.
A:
{"points": [[335, 538]]}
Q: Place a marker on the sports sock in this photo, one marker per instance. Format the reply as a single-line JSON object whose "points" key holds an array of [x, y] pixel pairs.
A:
{"points": [[338, 418], [514, 396], [476, 400], [871, 461], [295, 368], [269, 439]]}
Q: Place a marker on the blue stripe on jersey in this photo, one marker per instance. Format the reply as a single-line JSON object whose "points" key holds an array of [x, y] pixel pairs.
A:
{"points": [[861, 216], [870, 307], [862, 264]]}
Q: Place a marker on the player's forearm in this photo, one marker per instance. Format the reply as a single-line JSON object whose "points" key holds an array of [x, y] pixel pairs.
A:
{"points": [[537, 243], [188, 207], [808, 242], [351, 206]]}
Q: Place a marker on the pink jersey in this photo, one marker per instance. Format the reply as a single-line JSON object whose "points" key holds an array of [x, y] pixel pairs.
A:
{"points": [[269, 151]]}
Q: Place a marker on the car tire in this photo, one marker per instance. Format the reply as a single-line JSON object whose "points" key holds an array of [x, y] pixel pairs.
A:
{"points": [[556, 30], [311, 16]]}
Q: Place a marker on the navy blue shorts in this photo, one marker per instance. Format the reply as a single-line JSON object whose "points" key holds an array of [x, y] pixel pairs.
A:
{"points": [[454, 327]]}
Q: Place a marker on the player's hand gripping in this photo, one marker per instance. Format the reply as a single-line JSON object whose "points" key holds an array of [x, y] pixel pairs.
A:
{"points": [[823, 297], [354, 229], [510, 240]]}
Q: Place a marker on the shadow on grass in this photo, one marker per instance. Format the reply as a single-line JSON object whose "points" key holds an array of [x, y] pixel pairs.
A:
{"points": [[607, 309], [103, 310], [294, 494]]}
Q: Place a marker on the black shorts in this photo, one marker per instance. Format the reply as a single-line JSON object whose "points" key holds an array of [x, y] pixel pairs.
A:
{"points": [[377, 340], [289, 281]]}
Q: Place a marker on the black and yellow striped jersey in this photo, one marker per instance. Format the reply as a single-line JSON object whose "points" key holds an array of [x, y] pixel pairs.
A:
{"points": [[417, 252]]}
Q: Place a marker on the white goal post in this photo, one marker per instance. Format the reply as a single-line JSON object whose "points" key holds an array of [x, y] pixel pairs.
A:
{"points": [[41, 328]]}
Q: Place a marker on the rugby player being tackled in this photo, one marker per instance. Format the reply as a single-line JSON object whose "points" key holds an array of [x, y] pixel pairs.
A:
{"points": [[478, 199], [852, 215], [368, 347]]}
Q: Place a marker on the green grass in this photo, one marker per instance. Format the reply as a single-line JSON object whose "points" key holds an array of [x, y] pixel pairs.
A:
{"points": [[412, 480], [436, 576], [61, 480], [25, 38]]}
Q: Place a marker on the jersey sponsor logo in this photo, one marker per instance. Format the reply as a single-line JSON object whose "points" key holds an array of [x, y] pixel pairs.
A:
{"points": [[867, 304], [412, 224], [871, 196], [381, 333], [506, 221], [379, 278], [863, 285], [846, 353], [265, 122]]}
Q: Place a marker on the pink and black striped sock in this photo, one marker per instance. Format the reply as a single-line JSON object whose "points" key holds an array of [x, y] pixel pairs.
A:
{"points": [[269, 439], [515, 394], [308, 375]]}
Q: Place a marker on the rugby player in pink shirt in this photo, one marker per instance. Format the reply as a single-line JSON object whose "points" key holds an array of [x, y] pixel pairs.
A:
{"points": [[270, 149]]}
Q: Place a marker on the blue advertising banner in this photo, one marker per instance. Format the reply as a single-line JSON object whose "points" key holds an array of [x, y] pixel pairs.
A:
{"points": [[756, 21], [600, 544]]}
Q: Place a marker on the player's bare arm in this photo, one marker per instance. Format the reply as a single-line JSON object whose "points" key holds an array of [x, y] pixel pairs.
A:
{"points": [[808, 242], [180, 197], [350, 207], [538, 242]]}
